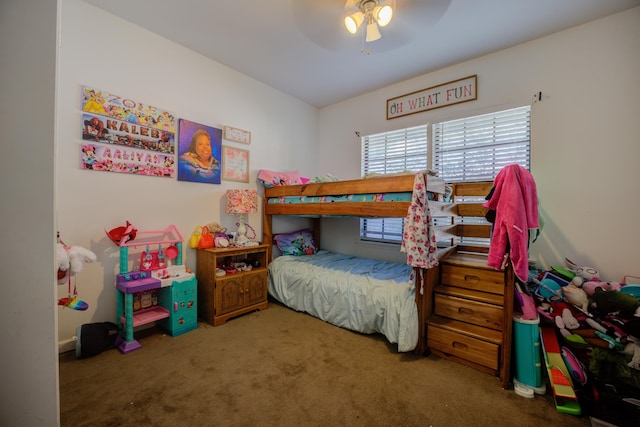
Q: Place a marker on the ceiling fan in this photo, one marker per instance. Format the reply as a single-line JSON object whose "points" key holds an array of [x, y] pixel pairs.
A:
{"points": [[323, 22], [374, 13]]}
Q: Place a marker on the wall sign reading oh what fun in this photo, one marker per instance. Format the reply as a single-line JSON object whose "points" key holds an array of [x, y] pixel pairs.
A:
{"points": [[454, 92]]}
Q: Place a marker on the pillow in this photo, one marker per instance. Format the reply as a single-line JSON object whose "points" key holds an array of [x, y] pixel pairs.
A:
{"points": [[296, 243], [272, 179]]}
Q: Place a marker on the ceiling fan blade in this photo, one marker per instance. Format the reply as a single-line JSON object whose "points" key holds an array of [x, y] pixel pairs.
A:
{"points": [[351, 4]]}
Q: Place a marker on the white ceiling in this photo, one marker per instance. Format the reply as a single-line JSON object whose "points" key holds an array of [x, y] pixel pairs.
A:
{"points": [[301, 47]]}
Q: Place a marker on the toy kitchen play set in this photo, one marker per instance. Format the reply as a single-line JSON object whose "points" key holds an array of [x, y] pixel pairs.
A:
{"points": [[153, 285]]}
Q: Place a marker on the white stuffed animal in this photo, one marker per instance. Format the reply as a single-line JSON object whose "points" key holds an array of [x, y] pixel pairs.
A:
{"points": [[72, 259], [587, 273], [576, 296], [633, 349], [78, 256], [62, 256]]}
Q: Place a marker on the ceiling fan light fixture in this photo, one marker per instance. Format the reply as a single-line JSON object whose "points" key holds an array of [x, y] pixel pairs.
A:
{"points": [[376, 14], [383, 15], [373, 33], [353, 21]]}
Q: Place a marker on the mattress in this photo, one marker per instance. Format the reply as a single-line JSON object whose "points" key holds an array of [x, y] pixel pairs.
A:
{"points": [[359, 294], [380, 197]]}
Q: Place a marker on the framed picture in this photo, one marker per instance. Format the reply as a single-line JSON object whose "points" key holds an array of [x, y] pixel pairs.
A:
{"points": [[235, 164], [237, 135], [198, 152]]}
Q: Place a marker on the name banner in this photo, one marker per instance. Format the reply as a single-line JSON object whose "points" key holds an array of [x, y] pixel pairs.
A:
{"points": [[454, 92]]}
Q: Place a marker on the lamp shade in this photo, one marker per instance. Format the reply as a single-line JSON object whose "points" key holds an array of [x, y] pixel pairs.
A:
{"points": [[242, 201], [373, 33], [353, 21], [384, 15]]}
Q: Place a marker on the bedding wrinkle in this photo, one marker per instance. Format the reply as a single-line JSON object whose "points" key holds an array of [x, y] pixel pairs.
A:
{"points": [[363, 295]]}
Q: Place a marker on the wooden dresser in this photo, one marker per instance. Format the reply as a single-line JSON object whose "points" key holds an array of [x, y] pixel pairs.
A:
{"points": [[469, 314], [221, 298]]}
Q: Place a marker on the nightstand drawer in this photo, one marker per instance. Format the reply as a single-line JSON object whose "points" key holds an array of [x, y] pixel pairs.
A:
{"points": [[474, 350], [474, 278], [477, 313]]}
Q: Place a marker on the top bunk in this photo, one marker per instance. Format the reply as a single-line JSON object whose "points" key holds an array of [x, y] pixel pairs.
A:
{"points": [[386, 196]]}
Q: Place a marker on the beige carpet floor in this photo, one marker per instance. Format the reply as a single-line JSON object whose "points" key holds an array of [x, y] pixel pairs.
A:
{"points": [[278, 367]]}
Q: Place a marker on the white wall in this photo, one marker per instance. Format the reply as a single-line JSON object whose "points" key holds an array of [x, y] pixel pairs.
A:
{"points": [[108, 53], [29, 363], [585, 143], [590, 104]]}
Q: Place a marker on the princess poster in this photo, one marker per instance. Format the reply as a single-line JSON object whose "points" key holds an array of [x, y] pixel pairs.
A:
{"points": [[103, 103], [122, 159]]}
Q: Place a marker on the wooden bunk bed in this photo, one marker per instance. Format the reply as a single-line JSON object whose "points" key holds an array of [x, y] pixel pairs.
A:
{"points": [[465, 311], [394, 184]]}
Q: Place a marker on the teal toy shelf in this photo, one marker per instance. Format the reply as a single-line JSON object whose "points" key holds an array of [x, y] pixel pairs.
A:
{"points": [[160, 291]]}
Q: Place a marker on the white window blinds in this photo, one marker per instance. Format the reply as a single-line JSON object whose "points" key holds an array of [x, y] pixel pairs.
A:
{"points": [[470, 149], [476, 148], [391, 152], [395, 151]]}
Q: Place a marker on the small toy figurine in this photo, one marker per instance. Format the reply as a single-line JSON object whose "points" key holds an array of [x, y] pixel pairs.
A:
{"points": [[122, 234], [148, 258]]}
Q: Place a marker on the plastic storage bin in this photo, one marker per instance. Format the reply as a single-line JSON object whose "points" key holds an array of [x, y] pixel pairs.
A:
{"points": [[528, 352]]}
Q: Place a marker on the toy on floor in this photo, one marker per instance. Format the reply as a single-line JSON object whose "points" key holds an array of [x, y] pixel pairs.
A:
{"points": [[632, 327], [71, 260], [587, 273], [559, 375], [576, 296]]}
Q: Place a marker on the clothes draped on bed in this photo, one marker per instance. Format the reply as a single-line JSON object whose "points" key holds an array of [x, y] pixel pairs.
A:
{"points": [[419, 237], [514, 198], [363, 295]]}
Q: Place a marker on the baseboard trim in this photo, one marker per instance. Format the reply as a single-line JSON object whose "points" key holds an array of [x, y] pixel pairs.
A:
{"points": [[67, 345]]}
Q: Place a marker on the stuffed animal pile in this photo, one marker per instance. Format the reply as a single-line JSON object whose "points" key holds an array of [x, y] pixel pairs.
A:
{"points": [[590, 312]]}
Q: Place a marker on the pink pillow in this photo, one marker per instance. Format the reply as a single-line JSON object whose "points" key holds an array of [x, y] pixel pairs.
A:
{"points": [[272, 179]]}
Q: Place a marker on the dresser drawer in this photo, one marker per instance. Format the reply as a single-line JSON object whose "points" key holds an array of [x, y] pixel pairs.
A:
{"points": [[477, 313], [474, 278], [474, 350]]}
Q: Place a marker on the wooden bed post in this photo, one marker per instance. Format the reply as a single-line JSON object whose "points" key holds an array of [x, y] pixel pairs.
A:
{"points": [[316, 231], [267, 229], [427, 279]]}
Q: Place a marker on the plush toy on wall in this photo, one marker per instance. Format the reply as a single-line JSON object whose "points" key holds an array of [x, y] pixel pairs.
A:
{"points": [[71, 260]]}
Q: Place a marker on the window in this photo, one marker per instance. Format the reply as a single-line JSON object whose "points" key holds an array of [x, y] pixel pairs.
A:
{"points": [[476, 148], [391, 152], [470, 149]]}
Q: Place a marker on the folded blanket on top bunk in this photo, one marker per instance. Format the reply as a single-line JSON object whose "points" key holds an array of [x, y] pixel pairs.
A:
{"points": [[363, 295]]}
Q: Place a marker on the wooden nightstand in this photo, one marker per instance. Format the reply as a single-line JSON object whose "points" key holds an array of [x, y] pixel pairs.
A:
{"points": [[222, 297]]}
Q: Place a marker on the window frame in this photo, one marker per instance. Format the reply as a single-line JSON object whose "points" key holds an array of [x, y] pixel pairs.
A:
{"points": [[504, 126]]}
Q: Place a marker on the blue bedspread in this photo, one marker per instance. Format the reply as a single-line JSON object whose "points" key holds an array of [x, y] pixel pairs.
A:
{"points": [[362, 295]]}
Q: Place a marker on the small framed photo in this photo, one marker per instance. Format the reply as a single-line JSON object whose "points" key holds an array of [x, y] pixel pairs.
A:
{"points": [[237, 135], [235, 164]]}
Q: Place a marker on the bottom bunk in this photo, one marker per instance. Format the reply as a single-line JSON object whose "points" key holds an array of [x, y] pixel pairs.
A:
{"points": [[363, 295]]}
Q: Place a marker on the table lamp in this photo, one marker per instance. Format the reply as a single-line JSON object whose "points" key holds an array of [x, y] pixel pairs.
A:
{"points": [[241, 202]]}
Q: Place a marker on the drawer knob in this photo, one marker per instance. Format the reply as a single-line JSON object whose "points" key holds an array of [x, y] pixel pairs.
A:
{"points": [[459, 345], [471, 278], [465, 310]]}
